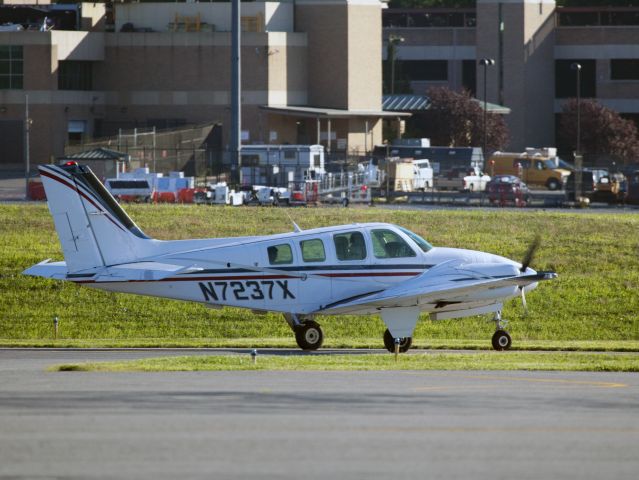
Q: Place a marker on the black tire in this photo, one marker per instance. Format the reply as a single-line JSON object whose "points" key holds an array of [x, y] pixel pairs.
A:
{"points": [[309, 336], [404, 344], [501, 340], [344, 202], [553, 184]]}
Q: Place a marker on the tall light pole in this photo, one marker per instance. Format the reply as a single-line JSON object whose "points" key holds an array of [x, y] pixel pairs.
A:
{"points": [[485, 62], [578, 158], [393, 40], [236, 90], [27, 153]]}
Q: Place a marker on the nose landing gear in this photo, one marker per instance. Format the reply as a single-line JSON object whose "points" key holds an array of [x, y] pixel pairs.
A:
{"points": [[501, 338]]}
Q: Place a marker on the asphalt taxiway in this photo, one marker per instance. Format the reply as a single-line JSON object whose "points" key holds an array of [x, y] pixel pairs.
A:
{"points": [[404, 424]]}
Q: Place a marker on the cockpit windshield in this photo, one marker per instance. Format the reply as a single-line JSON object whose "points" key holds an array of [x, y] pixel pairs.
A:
{"points": [[421, 243]]}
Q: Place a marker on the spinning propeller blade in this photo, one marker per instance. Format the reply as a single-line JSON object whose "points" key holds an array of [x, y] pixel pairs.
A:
{"points": [[523, 301], [528, 258], [530, 254]]}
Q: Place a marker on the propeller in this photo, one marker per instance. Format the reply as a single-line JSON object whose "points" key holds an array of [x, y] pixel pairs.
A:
{"points": [[523, 301], [530, 254], [528, 258]]}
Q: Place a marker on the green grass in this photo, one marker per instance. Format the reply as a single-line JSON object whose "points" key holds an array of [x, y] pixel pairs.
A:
{"points": [[594, 299], [428, 361], [344, 342]]}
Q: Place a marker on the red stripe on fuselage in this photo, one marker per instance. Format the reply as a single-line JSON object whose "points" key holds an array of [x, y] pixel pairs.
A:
{"points": [[74, 188]]}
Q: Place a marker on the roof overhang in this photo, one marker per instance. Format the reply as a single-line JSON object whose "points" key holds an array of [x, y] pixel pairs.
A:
{"points": [[493, 107], [99, 153], [419, 103], [319, 112]]}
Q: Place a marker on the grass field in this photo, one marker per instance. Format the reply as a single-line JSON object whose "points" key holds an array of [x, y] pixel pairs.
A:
{"points": [[594, 299], [585, 362]]}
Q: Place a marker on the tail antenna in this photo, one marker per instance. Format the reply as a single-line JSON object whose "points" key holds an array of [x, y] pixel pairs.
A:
{"points": [[296, 227]]}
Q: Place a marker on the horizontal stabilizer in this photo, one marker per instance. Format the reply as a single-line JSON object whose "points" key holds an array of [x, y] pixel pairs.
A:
{"points": [[139, 271], [127, 272], [47, 269]]}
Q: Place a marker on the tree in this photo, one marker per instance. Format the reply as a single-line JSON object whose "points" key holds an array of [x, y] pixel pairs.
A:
{"points": [[603, 131], [455, 119], [472, 3]]}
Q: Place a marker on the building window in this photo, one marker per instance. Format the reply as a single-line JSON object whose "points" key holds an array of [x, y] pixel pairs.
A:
{"points": [[566, 79], [469, 76], [75, 75], [252, 24], [392, 18], [585, 17], [425, 70], [624, 69], [75, 131], [11, 67]]}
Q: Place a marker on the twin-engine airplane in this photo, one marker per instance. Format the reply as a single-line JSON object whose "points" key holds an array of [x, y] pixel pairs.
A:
{"points": [[361, 269]]}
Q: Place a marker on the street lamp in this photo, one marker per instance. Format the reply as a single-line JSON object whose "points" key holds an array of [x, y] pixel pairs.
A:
{"points": [[485, 62], [578, 158], [27, 159], [393, 40]]}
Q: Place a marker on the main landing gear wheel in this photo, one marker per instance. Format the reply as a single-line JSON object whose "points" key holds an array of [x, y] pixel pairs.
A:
{"points": [[501, 340], [309, 335], [389, 342]]}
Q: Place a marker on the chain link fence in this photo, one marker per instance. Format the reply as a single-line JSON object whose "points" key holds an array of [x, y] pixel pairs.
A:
{"points": [[195, 150]]}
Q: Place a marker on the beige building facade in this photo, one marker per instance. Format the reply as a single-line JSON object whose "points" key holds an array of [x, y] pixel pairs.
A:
{"points": [[534, 43], [311, 73]]}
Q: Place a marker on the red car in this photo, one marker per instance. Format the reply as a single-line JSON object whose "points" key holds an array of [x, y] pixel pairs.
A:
{"points": [[507, 189]]}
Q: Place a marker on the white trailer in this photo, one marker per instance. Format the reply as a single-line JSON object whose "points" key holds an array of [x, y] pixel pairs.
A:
{"points": [[278, 165]]}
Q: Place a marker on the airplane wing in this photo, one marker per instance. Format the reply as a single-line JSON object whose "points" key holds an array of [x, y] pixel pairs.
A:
{"points": [[444, 284]]}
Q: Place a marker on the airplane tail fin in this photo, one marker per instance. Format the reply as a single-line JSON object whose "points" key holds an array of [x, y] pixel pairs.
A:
{"points": [[93, 229]]}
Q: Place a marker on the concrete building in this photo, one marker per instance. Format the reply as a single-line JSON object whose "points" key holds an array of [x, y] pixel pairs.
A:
{"points": [[311, 72], [533, 43]]}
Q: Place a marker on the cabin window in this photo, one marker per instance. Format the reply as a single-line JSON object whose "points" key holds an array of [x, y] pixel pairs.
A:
{"points": [[350, 246], [313, 250], [387, 244], [280, 254], [421, 243]]}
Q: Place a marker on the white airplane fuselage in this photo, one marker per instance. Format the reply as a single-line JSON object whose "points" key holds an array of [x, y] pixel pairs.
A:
{"points": [[236, 272]]}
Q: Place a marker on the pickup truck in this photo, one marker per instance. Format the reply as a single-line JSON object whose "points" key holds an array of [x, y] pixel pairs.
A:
{"points": [[462, 179]]}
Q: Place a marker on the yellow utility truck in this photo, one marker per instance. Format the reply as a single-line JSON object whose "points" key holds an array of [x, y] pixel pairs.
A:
{"points": [[537, 167]]}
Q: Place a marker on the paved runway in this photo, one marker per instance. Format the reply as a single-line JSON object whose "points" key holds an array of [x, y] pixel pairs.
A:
{"points": [[335, 425]]}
